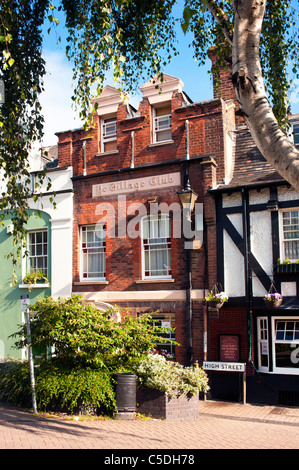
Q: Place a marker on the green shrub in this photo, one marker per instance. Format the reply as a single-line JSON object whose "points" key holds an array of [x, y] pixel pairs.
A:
{"points": [[15, 383], [59, 388], [78, 332], [156, 372], [76, 389]]}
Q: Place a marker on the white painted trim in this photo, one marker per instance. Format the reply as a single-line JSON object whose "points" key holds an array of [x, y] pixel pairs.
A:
{"points": [[143, 296], [34, 286]]}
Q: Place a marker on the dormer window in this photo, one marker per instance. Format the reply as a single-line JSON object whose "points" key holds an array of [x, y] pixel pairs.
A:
{"points": [[109, 142], [162, 123]]}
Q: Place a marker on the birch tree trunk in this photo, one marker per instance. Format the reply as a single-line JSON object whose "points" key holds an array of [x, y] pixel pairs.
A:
{"points": [[274, 145]]}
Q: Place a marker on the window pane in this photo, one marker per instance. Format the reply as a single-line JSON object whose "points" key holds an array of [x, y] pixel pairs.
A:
{"points": [[283, 356], [291, 234], [156, 246], [93, 251], [38, 250], [263, 356], [166, 320]]}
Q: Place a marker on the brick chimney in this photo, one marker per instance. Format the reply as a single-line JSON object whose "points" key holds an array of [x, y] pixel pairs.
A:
{"points": [[222, 85]]}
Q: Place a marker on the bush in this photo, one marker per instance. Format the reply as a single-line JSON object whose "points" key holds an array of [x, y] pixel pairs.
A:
{"points": [[76, 331], [15, 383], [156, 372], [59, 388], [75, 390]]}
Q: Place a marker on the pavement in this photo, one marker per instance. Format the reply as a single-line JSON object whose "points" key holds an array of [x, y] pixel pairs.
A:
{"points": [[221, 425]]}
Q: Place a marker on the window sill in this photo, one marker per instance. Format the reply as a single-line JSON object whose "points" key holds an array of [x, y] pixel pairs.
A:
{"points": [[83, 283], [104, 154], [150, 281], [34, 286], [165, 142]]}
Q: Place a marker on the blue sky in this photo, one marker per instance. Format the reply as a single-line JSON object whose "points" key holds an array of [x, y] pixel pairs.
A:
{"points": [[56, 100]]}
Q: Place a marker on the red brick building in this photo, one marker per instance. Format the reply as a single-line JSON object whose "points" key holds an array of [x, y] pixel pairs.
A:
{"points": [[133, 245], [129, 165]]}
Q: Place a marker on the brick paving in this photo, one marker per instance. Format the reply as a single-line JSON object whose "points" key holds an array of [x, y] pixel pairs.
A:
{"points": [[220, 426]]}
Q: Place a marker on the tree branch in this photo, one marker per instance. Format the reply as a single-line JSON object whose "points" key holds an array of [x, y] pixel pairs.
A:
{"points": [[222, 19]]}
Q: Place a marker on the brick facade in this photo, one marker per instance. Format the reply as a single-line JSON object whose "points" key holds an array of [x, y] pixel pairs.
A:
{"points": [[137, 156]]}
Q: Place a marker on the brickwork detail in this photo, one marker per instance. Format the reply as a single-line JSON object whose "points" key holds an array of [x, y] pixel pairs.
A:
{"points": [[158, 405]]}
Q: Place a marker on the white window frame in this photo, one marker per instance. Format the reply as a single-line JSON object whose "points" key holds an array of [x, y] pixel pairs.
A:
{"points": [[146, 246], [283, 240], [86, 248], [158, 128], [107, 136], [262, 342], [166, 320], [43, 255], [283, 370]]}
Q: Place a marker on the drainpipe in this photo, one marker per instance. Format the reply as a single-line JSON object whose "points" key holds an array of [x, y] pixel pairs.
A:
{"points": [[132, 148], [188, 261], [84, 157], [189, 307], [187, 139], [248, 276]]}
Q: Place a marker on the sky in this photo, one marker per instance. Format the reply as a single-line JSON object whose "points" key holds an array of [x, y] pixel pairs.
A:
{"points": [[56, 102]]}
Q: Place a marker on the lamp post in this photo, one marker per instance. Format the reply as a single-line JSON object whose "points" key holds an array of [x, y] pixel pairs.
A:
{"points": [[187, 199], [30, 360]]}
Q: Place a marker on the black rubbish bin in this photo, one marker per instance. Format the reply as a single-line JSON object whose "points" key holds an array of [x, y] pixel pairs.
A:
{"points": [[126, 392]]}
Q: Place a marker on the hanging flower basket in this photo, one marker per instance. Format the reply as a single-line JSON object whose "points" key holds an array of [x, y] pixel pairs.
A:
{"points": [[273, 300], [216, 299]]}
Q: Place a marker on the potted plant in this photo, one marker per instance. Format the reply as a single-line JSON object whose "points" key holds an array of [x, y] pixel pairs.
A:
{"points": [[216, 299], [273, 300], [168, 390], [35, 277], [286, 266]]}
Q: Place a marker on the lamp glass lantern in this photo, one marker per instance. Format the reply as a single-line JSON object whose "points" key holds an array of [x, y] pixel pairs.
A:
{"points": [[187, 199]]}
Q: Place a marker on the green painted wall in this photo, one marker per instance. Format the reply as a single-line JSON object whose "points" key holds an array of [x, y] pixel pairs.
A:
{"points": [[10, 297]]}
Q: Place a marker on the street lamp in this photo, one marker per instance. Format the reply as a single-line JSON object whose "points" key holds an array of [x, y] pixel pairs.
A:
{"points": [[187, 199]]}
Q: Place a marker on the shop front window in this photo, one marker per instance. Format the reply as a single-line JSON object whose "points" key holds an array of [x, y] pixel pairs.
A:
{"points": [[286, 344]]}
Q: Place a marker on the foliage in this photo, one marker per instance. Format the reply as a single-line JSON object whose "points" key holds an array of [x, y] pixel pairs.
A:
{"points": [[34, 277], [79, 334], [154, 371], [133, 38], [286, 261], [70, 389], [15, 383], [58, 387], [216, 297], [88, 348], [21, 121]]}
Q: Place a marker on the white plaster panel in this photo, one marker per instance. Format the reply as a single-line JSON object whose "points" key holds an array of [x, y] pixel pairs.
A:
{"points": [[261, 239], [234, 285], [237, 221], [287, 194], [259, 197], [288, 289], [234, 200], [258, 289]]}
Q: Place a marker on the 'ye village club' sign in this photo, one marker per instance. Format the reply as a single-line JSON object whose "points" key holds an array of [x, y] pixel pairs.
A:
{"points": [[138, 184]]}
